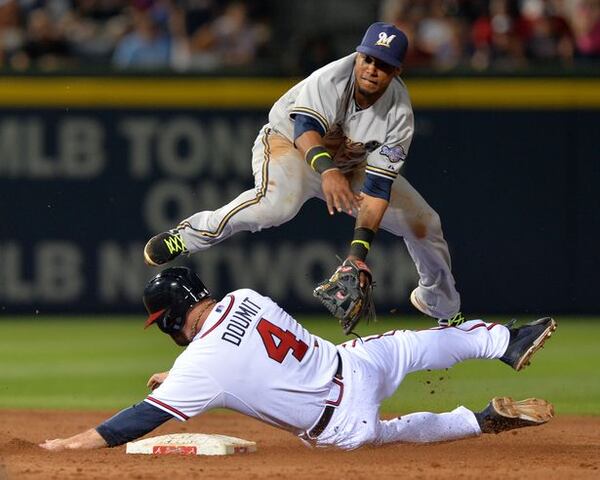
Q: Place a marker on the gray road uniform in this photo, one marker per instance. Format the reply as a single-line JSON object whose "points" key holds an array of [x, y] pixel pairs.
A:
{"points": [[365, 144]]}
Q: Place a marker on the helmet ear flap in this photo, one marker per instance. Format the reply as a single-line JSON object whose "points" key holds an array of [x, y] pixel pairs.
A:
{"points": [[172, 323], [164, 323]]}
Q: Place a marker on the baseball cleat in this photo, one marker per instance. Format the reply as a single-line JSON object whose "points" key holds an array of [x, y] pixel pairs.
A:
{"points": [[504, 413], [526, 340], [163, 248], [453, 321], [418, 303]]}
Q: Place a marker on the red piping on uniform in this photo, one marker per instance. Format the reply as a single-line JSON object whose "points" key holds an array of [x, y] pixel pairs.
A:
{"points": [[339, 399], [168, 407], [231, 302], [489, 327], [391, 333]]}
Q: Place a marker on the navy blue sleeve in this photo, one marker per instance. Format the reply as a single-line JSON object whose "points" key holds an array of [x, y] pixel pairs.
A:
{"points": [[377, 186], [304, 123], [131, 423]]}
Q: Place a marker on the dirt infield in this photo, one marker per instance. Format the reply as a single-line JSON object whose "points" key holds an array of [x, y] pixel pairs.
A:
{"points": [[568, 447]]}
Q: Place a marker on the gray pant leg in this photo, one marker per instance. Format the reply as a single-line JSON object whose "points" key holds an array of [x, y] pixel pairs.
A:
{"points": [[410, 216], [283, 183]]}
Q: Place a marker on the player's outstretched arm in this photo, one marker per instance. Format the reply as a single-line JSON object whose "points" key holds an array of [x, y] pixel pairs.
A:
{"points": [[84, 440], [127, 425], [348, 293], [368, 220], [371, 211]]}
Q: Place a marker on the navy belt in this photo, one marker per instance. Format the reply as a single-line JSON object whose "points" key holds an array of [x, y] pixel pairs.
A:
{"points": [[321, 425]]}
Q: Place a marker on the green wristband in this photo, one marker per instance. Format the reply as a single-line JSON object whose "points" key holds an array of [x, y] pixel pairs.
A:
{"points": [[361, 244], [319, 159]]}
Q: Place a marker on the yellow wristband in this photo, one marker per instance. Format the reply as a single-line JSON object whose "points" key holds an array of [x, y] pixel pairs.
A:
{"points": [[361, 244], [367, 245], [319, 155], [319, 159]]}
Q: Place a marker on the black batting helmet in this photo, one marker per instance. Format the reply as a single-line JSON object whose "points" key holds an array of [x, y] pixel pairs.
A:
{"points": [[169, 295]]}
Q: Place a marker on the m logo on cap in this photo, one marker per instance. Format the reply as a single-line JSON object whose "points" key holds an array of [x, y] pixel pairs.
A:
{"points": [[384, 40]]}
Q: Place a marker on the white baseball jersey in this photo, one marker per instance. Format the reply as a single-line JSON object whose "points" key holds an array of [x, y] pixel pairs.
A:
{"points": [[251, 356], [381, 134]]}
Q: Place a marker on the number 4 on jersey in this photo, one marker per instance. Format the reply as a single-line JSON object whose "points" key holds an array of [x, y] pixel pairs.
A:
{"points": [[279, 342]]}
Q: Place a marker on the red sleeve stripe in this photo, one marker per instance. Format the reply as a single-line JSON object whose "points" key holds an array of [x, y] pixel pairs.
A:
{"points": [[169, 408], [489, 327], [223, 317]]}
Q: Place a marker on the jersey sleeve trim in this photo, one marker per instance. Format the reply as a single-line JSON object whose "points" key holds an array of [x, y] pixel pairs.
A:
{"points": [[167, 408], [378, 186], [132, 423], [380, 172], [303, 123], [313, 114], [218, 322]]}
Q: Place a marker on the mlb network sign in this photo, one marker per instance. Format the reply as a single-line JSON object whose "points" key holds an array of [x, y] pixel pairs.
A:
{"points": [[83, 190]]}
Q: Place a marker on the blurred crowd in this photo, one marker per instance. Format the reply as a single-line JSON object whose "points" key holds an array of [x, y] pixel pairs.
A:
{"points": [[200, 35], [498, 34], [216, 35]]}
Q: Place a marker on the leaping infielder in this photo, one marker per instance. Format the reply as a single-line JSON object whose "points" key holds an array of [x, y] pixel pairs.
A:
{"points": [[341, 135]]}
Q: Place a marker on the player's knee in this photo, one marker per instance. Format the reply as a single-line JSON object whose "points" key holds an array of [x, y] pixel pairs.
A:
{"points": [[367, 431], [434, 223], [426, 225], [278, 209]]}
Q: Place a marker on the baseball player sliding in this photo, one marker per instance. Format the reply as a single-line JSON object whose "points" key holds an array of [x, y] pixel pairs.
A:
{"points": [[341, 135], [246, 353]]}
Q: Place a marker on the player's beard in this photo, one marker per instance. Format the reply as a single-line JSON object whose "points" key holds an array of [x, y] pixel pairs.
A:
{"points": [[370, 97], [180, 339], [366, 94]]}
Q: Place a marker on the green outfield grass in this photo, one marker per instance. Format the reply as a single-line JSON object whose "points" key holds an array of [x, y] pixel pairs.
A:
{"points": [[103, 363]]}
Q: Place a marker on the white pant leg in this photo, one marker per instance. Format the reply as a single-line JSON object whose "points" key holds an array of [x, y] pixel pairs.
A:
{"points": [[410, 216], [283, 183], [395, 354], [442, 347], [430, 427], [375, 367], [439, 348]]}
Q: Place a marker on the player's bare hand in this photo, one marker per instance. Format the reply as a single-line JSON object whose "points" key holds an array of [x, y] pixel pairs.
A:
{"points": [[156, 380], [338, 194], [56, 444], [84, 440]]}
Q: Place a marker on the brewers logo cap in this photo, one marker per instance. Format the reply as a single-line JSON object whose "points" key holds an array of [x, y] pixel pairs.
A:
{"points": [[384, 42]]}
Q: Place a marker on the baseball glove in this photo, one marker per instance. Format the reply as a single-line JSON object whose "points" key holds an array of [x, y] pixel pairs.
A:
{"points": [[343, 296]]}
